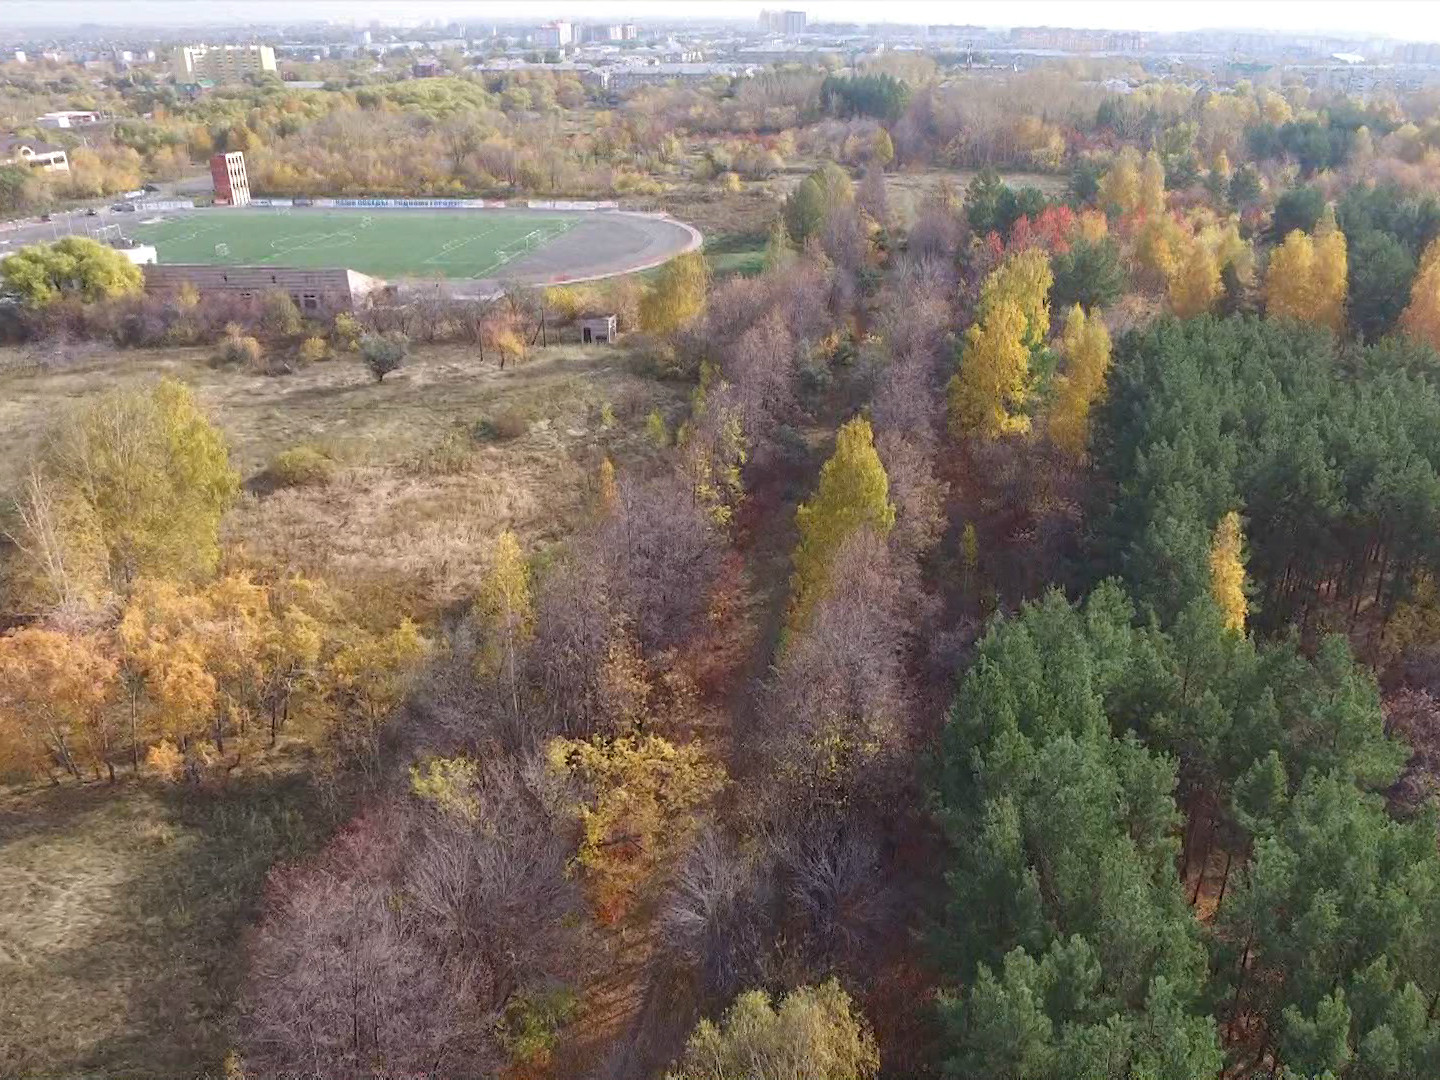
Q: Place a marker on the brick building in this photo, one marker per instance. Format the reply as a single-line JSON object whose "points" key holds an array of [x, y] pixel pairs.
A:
{"points": [[315, 292]]}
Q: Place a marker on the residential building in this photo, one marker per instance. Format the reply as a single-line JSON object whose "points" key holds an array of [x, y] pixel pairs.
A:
{"points": [[220, 63], [232, 186], [315, 292], [627, 78], [38, 155], [67, 118], [555, 35], [789, 23]]}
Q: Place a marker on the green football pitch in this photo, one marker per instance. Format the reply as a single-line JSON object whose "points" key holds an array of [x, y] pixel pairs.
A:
{"points": [[388, 243]]}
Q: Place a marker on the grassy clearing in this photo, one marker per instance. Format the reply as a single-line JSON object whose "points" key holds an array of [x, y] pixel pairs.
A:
{"points": [[123, 915], [392, 518], [736, 253]]}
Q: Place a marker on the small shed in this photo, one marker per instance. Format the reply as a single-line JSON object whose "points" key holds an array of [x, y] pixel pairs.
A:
{"points": [[598, 328]]}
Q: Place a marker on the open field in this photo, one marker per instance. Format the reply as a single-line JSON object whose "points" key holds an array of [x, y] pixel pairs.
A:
{"points": [[389, 516]]}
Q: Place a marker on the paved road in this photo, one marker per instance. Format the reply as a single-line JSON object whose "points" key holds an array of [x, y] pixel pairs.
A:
{"points": [[75, 220]]}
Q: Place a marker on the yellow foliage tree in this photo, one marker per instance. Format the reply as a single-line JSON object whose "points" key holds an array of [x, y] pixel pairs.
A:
{"points": [[1196, 285], [1024, 279], [853, 494], [1119, 189], [639, 805], [1161, 244], [449, 784], [987, 395], [503, 608], [1306, 278], [170, 692], [678, 296], [150, 476], [1421, 317], [55, 692], [1152, 185], [1086, 348], [1227, 572], [369, 676]]}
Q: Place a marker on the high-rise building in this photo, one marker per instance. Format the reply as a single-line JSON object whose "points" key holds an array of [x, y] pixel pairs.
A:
{"points": [[789, 23], [554, 35], [220, 63], [232, 186]]}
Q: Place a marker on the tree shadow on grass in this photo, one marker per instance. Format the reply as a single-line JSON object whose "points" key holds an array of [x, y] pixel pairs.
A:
{"points": [[156, 887]]}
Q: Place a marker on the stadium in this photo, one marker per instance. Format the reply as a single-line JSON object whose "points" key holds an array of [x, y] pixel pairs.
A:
{"points": [[396, 241]]}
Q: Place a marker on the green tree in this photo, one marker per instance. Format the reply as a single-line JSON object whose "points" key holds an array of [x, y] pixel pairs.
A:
{"points": [[805, 210], [384, 353], [22, 190], [1088, 274], [75, 266], [1381, 272], [1064, 917], [853, 494], [1299, 208]]}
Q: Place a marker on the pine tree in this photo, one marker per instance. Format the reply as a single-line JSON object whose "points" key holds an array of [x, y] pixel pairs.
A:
{"points": [[853, 494], [1227, 572]]}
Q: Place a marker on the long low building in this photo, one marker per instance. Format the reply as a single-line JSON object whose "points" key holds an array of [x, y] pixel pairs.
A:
{"points": [[315, 292]]}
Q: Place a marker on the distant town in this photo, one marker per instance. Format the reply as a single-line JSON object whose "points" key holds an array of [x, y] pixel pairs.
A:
{"points": [[623, 55]]}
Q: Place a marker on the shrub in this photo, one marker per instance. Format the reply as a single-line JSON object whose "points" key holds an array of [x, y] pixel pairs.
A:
{"points": [[502, 427], [346, 332], [729, 183], [279, 317], [448, 457], [239, 349], [302, 466], [313, 349], [383, 353]]}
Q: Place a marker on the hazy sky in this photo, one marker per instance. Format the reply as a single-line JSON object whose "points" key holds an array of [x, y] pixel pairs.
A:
{"points": [[1412, 19]]}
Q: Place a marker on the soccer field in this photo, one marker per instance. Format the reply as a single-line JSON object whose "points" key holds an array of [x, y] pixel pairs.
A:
{"points": [[387, 243]]}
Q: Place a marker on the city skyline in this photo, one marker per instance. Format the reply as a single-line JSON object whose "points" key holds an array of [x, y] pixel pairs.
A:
{"points": [[1381, 18]]}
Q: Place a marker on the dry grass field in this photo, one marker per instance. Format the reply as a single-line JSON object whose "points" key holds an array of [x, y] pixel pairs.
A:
{"points": [[123, 911], [423, 483]]}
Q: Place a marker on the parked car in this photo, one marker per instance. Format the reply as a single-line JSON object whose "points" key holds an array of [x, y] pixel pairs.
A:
{"points": [[92, 212], [46, 217], [151, 187], [123, 208]]}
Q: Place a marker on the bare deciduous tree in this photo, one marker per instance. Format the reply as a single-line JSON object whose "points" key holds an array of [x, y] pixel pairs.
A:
{"points": [[660, 551]]}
